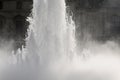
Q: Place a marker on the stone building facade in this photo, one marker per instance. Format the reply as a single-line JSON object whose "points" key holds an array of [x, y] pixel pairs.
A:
{"points": [[13, 24]]}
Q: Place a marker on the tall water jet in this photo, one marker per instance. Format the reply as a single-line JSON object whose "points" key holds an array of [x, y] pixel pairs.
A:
{"points": [[52, 33]]}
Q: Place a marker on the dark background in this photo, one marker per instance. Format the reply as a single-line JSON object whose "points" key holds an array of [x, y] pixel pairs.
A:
{"points": [[99, 19], [13, 24]]}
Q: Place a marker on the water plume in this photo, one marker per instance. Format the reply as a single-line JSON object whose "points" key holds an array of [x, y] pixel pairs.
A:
{"points": [[52, 46]]}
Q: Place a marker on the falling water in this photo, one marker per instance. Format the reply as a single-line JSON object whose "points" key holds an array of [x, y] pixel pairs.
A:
{"points": [[51, 47], [53, 34]]}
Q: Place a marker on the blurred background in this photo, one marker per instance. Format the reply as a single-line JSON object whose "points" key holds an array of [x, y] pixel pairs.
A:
{"points": [[13, 24], [97, 20]]}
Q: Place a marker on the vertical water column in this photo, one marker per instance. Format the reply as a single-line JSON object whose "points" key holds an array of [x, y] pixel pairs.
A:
{"points": [[52, 34]]}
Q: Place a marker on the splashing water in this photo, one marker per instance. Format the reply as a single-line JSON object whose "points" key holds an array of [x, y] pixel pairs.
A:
{"points": [[52, 34], [52, 46]]}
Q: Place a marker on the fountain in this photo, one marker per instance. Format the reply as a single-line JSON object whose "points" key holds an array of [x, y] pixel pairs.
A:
{"points": [[53, 36], [51, 47], [51, 54]]}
